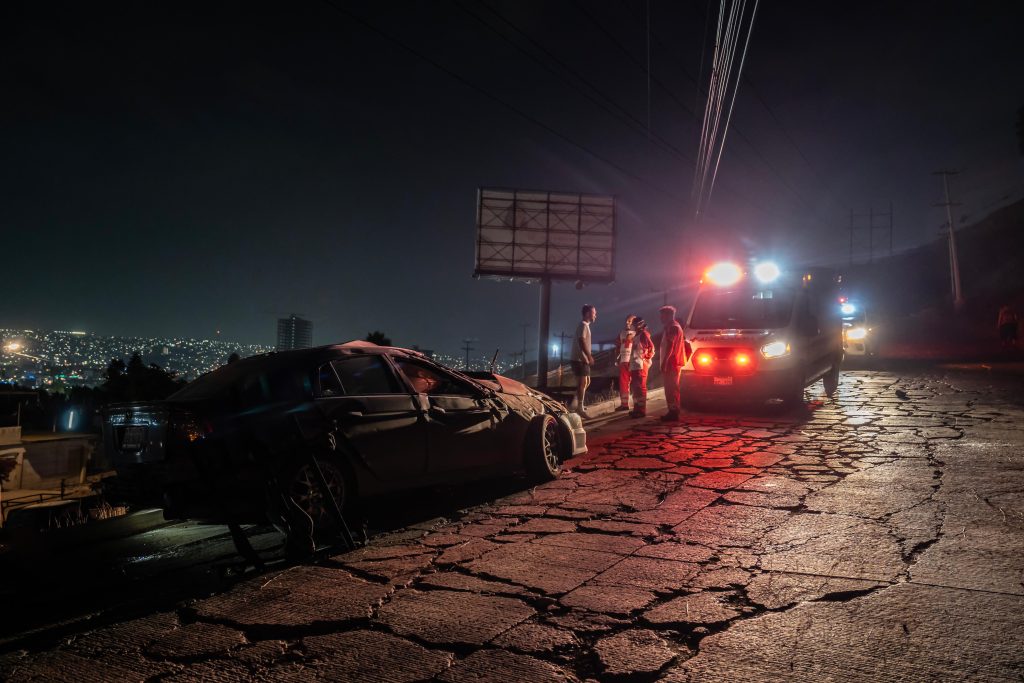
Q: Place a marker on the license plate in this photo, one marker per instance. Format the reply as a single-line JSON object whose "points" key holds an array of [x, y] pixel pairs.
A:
{"points": [[723, 381], [132, 438]]}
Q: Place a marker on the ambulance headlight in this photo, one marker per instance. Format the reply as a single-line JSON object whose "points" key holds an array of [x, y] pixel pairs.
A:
{"points": [[766, 272], [723, 274], [848, 309], [857, 333], [775, 349]]}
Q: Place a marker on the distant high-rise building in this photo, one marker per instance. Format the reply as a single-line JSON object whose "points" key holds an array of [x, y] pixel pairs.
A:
{"points": [[294, 332]]}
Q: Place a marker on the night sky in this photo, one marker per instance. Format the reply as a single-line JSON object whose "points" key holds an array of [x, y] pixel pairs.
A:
{"points": [[178, 169]]}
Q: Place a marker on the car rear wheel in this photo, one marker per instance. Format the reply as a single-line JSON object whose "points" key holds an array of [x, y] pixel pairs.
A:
{"points": [[310, 514], [544, 448]]}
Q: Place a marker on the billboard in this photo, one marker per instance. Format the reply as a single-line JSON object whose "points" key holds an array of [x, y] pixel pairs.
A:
{"points": [[534, 234]]}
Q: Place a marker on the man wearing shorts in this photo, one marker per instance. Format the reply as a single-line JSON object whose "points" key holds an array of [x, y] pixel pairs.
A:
{"points": [[582, 359]]}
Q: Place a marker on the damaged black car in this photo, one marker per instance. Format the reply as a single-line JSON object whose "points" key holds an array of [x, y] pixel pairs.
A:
{"points": [[294, 438]]}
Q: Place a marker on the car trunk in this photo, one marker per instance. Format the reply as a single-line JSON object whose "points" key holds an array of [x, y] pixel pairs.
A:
{"points": [[136, 433]]}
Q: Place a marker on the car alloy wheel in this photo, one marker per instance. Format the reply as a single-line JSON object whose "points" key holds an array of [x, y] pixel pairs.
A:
{"points": [[544, 448], [307, 495], [552, 445]]}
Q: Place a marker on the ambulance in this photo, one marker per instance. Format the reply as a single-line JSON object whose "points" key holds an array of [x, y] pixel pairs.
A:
{"points": [[759, 333], [858, 339]]}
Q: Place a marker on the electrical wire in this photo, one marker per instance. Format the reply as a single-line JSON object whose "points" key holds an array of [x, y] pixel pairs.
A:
{"points": [[620, 112], [498, 100], [735, 129], [597, 96], [732, 104], [723, 80]]}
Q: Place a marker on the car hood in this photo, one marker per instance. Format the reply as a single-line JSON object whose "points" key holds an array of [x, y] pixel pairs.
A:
{"points": [[505, 385]]}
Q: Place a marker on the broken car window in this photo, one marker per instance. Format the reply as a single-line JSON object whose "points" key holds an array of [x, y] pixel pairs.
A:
{"points": [[329, 383], [428, 380], [365, 376]]}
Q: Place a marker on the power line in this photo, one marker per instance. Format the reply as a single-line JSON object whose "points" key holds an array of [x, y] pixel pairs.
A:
{"points": [[732, 104], [700, 90], [604, 101], [668, 91], [757, 94], [664, 143], [494, 98]]}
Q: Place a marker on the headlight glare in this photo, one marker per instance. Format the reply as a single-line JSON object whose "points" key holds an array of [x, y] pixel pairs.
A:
{"points": [[775, 349], [857, 333]]}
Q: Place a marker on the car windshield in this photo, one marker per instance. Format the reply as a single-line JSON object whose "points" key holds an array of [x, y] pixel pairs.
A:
{"points": [[744, 308], [250, 381]]}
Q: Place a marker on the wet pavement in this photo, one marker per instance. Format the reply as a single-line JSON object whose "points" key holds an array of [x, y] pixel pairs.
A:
{"points": [[874, 536]]}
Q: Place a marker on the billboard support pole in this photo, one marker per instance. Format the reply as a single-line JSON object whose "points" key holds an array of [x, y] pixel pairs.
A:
{"points": [[544, 327]]}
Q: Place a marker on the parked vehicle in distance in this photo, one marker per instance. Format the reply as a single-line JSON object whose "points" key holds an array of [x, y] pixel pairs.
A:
{"points": [[858, 337], [247, 443], [760, 334]]}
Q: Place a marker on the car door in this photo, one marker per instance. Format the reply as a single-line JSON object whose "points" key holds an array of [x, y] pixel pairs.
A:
{"points": [[380, 419], [459, 417], [818, 332]]}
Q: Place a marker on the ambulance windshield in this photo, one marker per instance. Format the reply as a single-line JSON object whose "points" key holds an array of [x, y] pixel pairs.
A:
{"points": [[742, 308]]}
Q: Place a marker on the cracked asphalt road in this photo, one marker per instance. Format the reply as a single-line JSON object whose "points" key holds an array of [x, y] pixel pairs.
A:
{"points": [[875, 536]]}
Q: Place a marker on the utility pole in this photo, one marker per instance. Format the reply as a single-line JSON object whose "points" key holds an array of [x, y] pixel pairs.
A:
{"points": [[890, 229], [851, 237], [467, 346], [543, 332], [514, 355], [876, 220], [954, 261], [562, 336], [523, 366]]}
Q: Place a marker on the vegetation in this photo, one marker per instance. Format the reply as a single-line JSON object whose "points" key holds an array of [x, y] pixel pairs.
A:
{"points": [[377, 337], [80, 407]]}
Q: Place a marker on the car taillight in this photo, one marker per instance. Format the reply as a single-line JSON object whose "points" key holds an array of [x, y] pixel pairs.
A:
{"points": [[743, 362], [724, 361]]}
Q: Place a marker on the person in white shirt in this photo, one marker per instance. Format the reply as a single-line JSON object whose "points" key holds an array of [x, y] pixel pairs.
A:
{"points": [[624, 350], [582, 359]]}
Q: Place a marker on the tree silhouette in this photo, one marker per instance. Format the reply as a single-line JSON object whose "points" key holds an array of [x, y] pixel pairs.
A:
{"points": [[137, 381], [377, 337]]}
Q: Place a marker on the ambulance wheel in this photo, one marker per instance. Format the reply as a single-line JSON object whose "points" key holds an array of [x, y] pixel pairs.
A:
{"points": [[689, 403], [794, 398], [831, 381]]}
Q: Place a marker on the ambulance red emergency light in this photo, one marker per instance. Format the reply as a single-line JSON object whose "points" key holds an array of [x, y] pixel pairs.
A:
{"points": [[760, 333]]}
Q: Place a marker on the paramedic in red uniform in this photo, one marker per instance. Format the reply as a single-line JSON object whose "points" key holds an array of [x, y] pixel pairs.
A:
{"points": [[639, 363], [623, 352], [673, 356]]}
